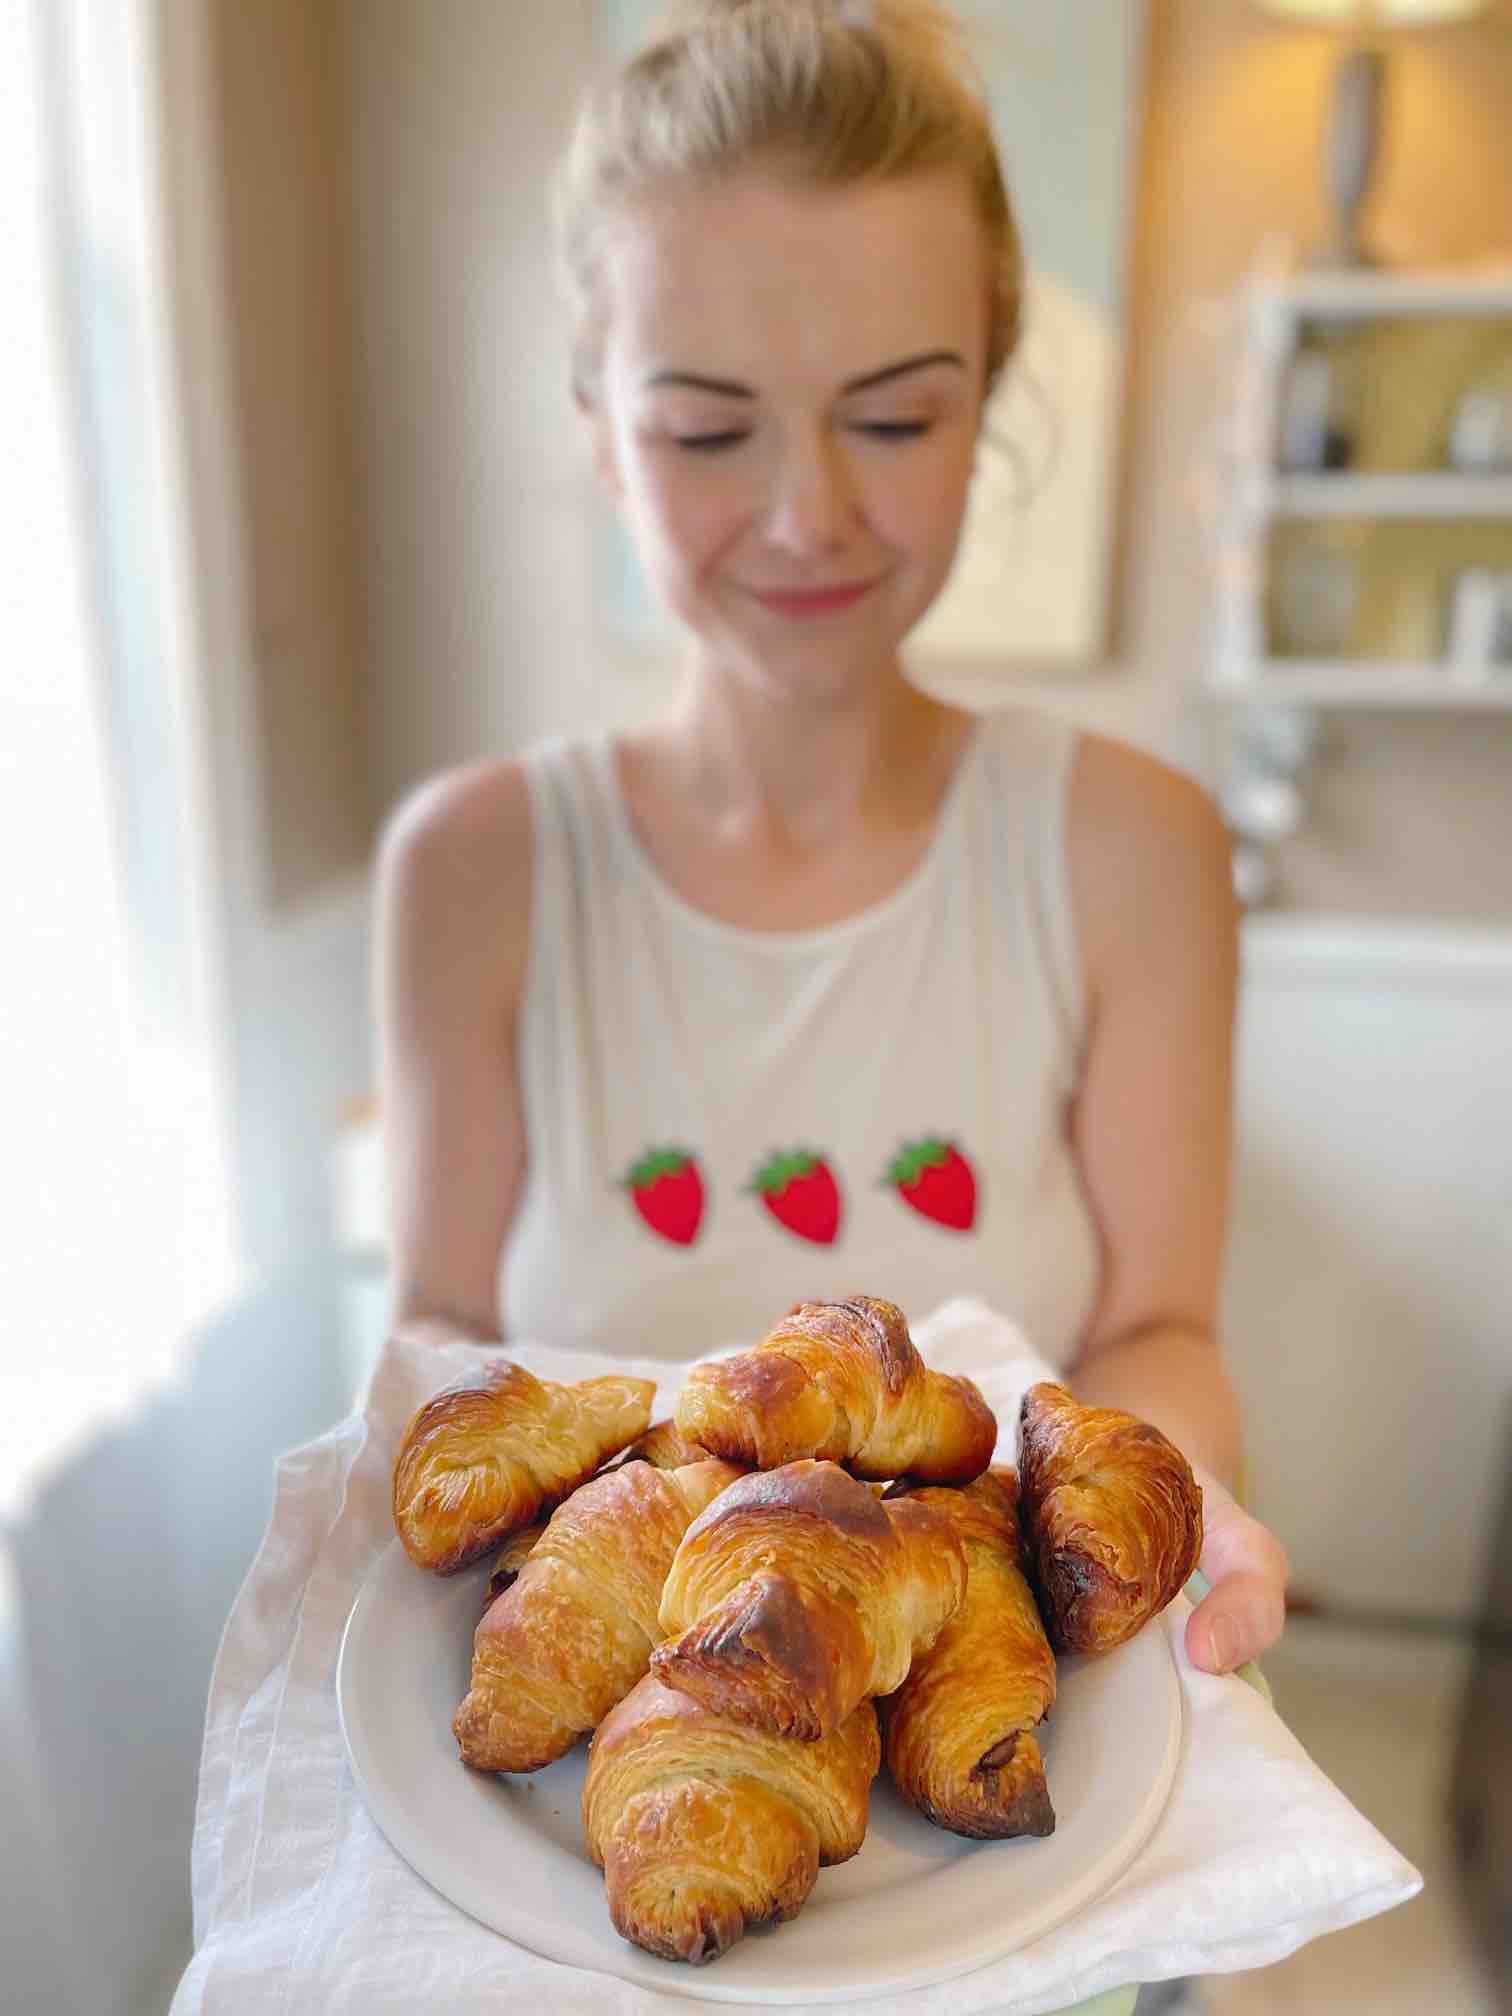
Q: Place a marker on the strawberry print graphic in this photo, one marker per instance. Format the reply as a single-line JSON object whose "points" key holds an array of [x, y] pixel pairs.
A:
{"points": [[934, 1177], [667, 1189], [800, 1191]]}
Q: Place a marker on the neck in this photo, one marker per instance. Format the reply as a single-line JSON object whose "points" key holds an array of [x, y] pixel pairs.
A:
{"points": [[804, 767]]}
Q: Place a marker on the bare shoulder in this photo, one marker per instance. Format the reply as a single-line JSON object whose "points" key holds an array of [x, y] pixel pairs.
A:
{"points": [[454, 862], [476, 809], [1149, 860]]}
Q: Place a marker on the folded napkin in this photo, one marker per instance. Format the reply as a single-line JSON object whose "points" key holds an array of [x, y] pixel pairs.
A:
{"points": [[301, 1905]]}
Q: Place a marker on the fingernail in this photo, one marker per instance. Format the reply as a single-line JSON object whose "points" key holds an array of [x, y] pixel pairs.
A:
{"points": [[1223, 1645]]}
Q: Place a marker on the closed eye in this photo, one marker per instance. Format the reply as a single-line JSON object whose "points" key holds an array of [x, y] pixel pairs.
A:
{"points": [[710, 444], [878, 430]]}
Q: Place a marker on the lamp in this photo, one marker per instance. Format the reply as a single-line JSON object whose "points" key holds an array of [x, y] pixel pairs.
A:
{"points": [[1359, 88]]}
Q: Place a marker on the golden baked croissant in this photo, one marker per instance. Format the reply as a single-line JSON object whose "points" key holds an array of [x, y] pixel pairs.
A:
{"points": [[574, 1634], [841, 1381], [703, 1827], [489, 1456], [1112, 1518], [958, 1736], [799, 1593], [662, 1446]]}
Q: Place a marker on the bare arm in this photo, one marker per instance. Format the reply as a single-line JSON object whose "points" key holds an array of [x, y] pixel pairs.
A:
{"points": [[452, 932], [1152, 1131]]}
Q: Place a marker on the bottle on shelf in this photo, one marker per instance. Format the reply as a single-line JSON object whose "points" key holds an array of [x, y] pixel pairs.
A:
{"points": [[1321, 400]]}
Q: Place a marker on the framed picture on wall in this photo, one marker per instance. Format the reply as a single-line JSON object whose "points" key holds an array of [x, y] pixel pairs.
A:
{"points": [[1030, 589]]}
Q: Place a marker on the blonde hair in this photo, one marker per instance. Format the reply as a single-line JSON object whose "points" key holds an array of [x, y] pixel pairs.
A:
{"points": [[830, 92]]}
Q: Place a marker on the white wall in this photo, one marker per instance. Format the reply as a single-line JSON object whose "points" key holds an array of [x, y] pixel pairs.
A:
{"points": [[480, 553]]}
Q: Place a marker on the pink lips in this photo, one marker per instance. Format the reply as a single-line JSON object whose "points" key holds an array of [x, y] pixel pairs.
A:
{"points": [[812, 601]]}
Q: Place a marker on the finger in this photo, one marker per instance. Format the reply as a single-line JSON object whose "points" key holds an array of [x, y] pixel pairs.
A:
{"points": [[1235, 1543], [1242, 1617]]}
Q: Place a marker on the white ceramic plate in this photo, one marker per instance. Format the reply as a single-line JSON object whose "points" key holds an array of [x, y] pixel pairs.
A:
{"points": [[916, 1906]]}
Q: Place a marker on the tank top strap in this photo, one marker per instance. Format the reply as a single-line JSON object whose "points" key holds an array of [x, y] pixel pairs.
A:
{"points": [[573, 828], [585, 973]]}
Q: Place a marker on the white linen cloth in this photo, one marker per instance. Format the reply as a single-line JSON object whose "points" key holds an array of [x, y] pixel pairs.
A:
{"points": [[301, 1905]]}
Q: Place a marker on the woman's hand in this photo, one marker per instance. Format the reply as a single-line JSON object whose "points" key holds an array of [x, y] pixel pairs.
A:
{"points": [[1246, 1610]]}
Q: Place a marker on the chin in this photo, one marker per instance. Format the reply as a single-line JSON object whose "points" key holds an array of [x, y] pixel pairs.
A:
{"points": [[815, 662], [822, 672]]}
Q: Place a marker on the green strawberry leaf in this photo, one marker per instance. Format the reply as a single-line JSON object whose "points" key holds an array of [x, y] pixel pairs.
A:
{"points": [[909, 1164], [775, 1174], [655, 1164]]}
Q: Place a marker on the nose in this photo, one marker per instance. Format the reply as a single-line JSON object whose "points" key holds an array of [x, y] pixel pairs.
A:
{"points": [[813, 505]]}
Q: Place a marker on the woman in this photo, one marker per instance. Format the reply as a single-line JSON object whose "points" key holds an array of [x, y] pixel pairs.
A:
{"points": [[817, 985]]}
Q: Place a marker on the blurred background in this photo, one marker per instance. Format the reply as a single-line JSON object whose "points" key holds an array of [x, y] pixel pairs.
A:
{"points": [[295, 512]]}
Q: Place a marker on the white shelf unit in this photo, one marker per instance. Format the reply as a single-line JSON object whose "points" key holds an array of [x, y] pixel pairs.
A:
{"points": [[1364, 682], [1430, 493], [1259, 495]]}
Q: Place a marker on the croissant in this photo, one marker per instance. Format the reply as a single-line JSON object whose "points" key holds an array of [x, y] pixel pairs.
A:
{"points": [[574, 1634], [1112, 1518], [841, 1381], [487, 1457], [703, 1827], [661, 1446], [958, 1736], [799, 1593]]}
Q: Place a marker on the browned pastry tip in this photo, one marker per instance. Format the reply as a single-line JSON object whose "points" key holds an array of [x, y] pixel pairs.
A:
{"points": [[773, 1654], [1015, 1794], [494, 1453], [1112, 1518]]}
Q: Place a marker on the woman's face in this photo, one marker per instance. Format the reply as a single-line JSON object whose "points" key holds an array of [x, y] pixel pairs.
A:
{"points": [[789, 411]]}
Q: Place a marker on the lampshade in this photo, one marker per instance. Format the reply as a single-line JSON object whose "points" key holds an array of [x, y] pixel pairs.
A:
{"points": [[1376, 13]]}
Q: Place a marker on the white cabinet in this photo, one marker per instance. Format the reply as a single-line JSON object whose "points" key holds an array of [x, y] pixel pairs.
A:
{"points": [[1365, 536], [1367, 1318]]}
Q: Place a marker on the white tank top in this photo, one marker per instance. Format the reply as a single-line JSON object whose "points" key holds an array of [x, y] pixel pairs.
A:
{"points": [[722, 1122]]}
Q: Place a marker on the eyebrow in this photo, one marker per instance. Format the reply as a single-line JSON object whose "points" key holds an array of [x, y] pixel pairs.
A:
{"points": [[730, 388]]}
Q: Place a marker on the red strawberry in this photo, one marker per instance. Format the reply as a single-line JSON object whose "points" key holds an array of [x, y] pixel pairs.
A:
{"points": [[667, 1189], [936, 1179], [801, 1194]]}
